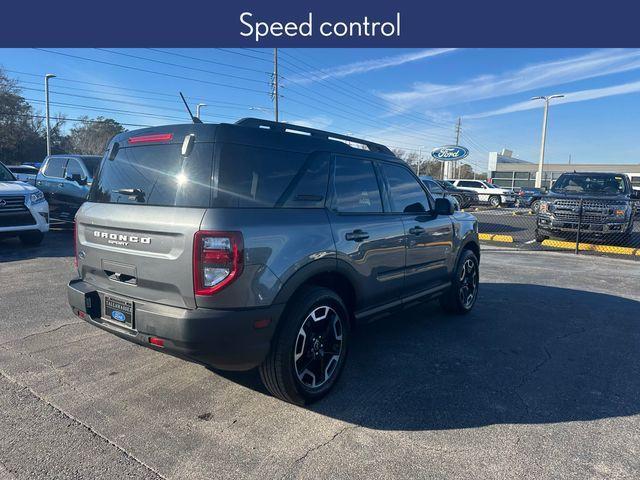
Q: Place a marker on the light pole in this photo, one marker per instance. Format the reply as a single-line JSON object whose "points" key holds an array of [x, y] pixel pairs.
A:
{"points": [[420, 157], [46, 102], [544, 135], [198, 107]]}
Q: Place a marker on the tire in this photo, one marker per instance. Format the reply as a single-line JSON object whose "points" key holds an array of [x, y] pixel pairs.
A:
{"points": [[295, 364], [540, 237], [31, 238], [459, 299], [494, 201], [535, 206]]}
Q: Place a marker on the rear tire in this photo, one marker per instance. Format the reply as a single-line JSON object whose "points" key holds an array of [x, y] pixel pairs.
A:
{"points": [[310, 347], [535, 206], [463, 293], [31, 238], [494, 201]]}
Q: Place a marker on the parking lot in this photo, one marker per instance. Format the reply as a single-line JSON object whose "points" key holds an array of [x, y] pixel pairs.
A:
{"points": [[541, 379]]}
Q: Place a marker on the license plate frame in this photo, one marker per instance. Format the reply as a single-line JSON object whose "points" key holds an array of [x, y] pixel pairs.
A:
{"points": [[119, 311]]}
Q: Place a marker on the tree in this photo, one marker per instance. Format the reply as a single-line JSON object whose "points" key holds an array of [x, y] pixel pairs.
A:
{"points": [[428, 166], [91, 137]]}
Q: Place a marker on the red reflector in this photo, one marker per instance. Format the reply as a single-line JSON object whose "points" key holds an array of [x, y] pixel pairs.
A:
{"points": [[262, 323], [81, 314], [217, 256], [155, 137], [156, 341]]}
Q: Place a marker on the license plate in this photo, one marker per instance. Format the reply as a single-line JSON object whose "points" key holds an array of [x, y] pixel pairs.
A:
{"points": [[118, 310]]}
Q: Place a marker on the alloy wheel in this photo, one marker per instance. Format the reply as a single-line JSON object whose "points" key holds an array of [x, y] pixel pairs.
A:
{"points": [[468, 283], [318, 347]]}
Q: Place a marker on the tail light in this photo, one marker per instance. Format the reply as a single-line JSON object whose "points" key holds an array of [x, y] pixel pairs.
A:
{"points": [[75, 244], [217, 260], [152, 138]]}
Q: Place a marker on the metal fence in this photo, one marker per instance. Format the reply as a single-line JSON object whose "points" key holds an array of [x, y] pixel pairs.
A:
{"points": [[575, 224]]}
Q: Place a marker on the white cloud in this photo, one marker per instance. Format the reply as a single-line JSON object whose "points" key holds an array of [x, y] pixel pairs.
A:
{"points": [[369, 65], [532, 77], [578, 96]]}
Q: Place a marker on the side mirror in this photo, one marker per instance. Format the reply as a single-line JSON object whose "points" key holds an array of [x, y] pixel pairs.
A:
{"points": [[444, 206]]}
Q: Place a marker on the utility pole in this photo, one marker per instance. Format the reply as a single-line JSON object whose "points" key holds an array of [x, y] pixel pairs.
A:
{"points": [[46, 102], [275, 83], [458, 143], [538, 183], [419, 158], [198, 107]]}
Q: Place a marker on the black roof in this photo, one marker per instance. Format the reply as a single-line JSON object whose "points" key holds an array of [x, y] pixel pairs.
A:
{"points": [[266, 133]]}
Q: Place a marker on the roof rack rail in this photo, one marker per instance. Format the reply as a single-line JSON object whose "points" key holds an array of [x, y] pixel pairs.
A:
{"points": [[291, 127]]}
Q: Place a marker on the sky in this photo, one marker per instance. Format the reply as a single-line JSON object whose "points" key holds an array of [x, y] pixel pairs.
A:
{"points": [[404, 98]]}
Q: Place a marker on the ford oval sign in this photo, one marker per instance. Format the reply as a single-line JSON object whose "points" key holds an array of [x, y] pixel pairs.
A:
{"points": [[119, 316], [449, 153]]}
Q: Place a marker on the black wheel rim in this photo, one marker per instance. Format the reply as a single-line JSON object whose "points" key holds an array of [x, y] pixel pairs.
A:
{"points": [[468, 283], [318, 347]]}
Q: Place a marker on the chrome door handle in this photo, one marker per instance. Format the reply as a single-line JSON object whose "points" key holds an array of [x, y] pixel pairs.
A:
{"points": [[356, 236], [416, 230]]}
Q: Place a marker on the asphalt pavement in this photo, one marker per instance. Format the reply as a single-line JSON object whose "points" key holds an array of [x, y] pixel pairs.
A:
{"points": [[541, 380]]}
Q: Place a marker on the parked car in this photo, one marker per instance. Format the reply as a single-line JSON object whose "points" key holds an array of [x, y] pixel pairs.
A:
{"points": [[603, 204], [249, 245], [24, 212], [24, 173], [487, 192], [65, 181], [530, 197], [442, 188]]}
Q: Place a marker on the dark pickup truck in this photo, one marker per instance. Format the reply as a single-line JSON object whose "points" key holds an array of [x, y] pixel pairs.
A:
{"points": [[65, 181], [600, 204]]}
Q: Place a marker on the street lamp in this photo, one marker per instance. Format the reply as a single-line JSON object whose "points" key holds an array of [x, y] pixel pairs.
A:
{"points": [[46, 102], [544, 135], [420, 157], [198, 107]]}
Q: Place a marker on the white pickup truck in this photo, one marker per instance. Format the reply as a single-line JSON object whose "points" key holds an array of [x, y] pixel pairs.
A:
{"points": [[487, 192], [24, 212]]}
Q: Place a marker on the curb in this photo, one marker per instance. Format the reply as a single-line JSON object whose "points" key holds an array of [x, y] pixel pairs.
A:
{"points": [[495, 238], [588, 247]]}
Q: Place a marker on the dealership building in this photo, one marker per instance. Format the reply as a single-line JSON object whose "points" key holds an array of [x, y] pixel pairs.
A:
{"points": [[508, 171]]}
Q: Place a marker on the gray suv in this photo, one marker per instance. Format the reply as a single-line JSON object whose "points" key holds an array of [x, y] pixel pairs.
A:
{"points": [[262, 244]]}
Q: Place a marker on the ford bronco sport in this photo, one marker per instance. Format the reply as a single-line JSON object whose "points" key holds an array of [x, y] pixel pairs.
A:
{"points": [[262, 244]]}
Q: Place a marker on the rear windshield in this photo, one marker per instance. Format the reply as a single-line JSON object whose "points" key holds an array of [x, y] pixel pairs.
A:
{"points": [[92, 164], [243, 177], [155, 175]]}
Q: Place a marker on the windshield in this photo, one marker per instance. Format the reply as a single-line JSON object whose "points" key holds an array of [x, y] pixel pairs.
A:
{"points": [[595, 184], [446, 184], [490, 185], [6, 175]]}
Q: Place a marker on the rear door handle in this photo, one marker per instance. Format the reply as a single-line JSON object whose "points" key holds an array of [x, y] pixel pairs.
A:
{"points": [[357, 235], [416, 230]]}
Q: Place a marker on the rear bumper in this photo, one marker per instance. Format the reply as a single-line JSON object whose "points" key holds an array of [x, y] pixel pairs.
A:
{"points": [[224, 339]]}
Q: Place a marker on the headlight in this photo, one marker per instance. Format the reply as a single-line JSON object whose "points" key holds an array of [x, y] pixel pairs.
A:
{"points": [[37, 197], [544, 207], [621, 210]]}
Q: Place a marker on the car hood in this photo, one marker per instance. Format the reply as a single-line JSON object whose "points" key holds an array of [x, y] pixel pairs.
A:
{"points": [[16, 188]]}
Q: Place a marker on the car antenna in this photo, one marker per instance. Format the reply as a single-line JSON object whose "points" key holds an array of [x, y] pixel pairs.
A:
{"points": [[193, 119]]}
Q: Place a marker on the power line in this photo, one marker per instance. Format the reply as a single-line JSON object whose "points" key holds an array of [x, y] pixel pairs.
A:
{"points": [[213, 62], [65, 119], [129, 67]]}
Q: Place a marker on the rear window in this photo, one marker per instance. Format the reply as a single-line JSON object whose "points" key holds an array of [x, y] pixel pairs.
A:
{"points": [[262, 178], [156, 175]]}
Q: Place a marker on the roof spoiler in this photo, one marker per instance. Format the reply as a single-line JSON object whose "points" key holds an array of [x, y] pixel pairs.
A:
{"points": [[289, 127]]}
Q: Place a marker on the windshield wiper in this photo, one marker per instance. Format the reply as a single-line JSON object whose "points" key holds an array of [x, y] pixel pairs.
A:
{"points": [[132, 192]]}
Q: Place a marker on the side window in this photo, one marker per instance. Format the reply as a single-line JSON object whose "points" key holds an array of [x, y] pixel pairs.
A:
{"points": [[434, 188], [407, 196], [55, 167], [309, 187], [465, 183], [74, 168], [356, 187]]}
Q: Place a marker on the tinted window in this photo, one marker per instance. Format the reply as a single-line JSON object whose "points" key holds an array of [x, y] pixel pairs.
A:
{"points": [[92, 164], [596, 183], [467, 183], [433, 187], [74, 168], [5, 174], [55, 167], [356, 186], [259, 177], [309, 188], [406, 193], [156, 175]]}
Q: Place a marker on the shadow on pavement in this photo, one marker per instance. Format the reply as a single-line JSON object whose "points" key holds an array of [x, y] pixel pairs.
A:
{"points": [[58, 242], [526, 354]]}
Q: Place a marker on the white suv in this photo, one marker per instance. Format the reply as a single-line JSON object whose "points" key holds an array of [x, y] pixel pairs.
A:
{"points": [[24, 212], [487, 192]]}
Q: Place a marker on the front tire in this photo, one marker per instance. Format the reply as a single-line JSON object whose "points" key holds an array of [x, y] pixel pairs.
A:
{"points": [[494, 201], [31, 238], [310, 348], [463, 293], [535, 206]]}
